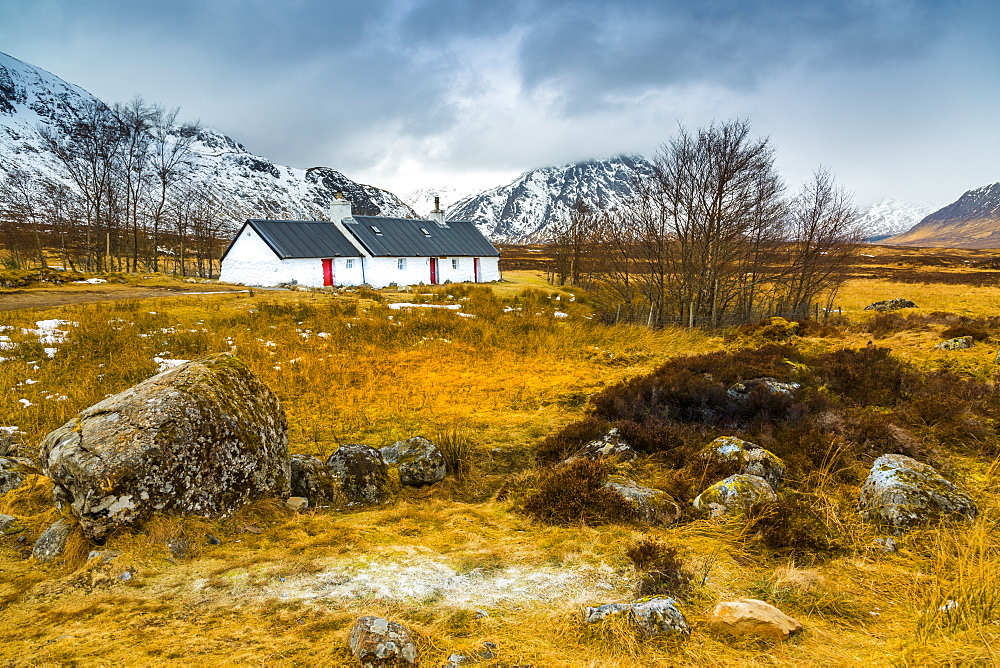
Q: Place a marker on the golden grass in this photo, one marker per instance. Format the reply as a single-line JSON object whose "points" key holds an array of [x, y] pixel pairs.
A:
{"points": [[497, 384]]}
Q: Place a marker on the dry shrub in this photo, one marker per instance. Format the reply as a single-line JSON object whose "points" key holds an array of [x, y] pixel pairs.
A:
{"points": [[793, 524], [575, 492], [869, 376], [457, 450], [560, 445], [663, 569], [974, 330]]}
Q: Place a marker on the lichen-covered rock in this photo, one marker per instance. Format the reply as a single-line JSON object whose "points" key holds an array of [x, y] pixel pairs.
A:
{"points": [[376, 641], [752, 617], [742, 390], [12, 473], [362, 475], [957, 343], [890, 305], [311, 479], [419, 461], [654, 506], [902, 493], [610, 445], [734, 494], [7, 524], [8, 444], [730, 455], [51, 544], [653, 616], [203, 438], [297, 503]]}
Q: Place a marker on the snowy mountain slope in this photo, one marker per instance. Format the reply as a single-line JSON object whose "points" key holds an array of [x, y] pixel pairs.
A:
{"points": [[527, 208], [421, 200], [972, 221], [890, 217], [30, 97]]}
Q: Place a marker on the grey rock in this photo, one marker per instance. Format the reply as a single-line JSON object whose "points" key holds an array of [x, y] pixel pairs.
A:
{"points": [[12, 473], [8, 444], [655, 506], [8, 524], [205, 438], [361, 474], [890, 305], [376, 641], [610, 445], [734, 494], [742, 390], [311, 479], [419, 461], [902, 493], [297, 503], [126, 576], [489, 651], [886, 545], [734, 455], [179, 547], [51, 544], [653, 616], [957, 343], [455, 659], [212, 540]]}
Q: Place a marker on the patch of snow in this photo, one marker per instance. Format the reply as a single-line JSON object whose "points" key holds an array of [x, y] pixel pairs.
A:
{"points": [[164, 364], [401, 305], [94, 281]]}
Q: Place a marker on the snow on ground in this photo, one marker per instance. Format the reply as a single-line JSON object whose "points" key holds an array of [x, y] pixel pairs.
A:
{"points": [[400, 305], [430, 579], [163, 363]]}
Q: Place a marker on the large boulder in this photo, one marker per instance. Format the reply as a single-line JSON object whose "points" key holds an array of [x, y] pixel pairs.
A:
{"points": [[419, 461], [611, 445], [734, 495], [203, 438], [654, 506], [902, 493], [362, 475], [752, 617], [311, 479], [730, 455], [375, 641], [12, 472], [653, 616], [890, 305]]}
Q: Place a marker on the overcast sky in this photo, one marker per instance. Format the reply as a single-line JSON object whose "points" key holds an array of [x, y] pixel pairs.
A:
{"points": [[900, 98]]}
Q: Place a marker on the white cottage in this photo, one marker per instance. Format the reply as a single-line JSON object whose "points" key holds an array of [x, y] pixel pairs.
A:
{"points": [[359, 250]]}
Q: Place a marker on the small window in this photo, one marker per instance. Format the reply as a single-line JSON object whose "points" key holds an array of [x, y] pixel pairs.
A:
{"points": [[424, 230], [454, 263], [376, 230], [349, 264], [401, 263]]}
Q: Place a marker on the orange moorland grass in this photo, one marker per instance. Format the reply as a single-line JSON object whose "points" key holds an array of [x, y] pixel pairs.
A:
{"points": [[350, 369]]}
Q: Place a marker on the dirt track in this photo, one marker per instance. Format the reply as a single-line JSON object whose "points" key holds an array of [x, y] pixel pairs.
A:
{"points": [[38, 298]]}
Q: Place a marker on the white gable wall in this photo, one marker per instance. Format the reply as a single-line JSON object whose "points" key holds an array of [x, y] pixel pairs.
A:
{"points": [[251, 261]]}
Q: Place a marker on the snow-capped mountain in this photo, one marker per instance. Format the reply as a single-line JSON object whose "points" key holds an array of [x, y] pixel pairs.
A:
{"points": [[890, 217], [972, 221], [526, 209], [421, 200], [31, 97]]}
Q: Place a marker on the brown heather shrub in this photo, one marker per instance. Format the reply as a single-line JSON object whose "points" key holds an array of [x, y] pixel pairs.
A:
{"points": [[663, 567], [793, 525], [574, 492], [560, 445], [975, 330], [869, 376]]}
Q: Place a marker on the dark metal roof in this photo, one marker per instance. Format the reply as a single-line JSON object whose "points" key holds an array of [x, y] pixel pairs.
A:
{"points": [[405, 237], [302, 238]]}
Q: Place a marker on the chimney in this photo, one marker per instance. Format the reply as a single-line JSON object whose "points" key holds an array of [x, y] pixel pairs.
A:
{"points": [[339, 207], [437, 215]]}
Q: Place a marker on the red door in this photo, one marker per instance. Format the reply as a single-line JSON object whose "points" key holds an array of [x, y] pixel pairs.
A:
{"points": [[434, 271], [327, 272], [475, 270]]}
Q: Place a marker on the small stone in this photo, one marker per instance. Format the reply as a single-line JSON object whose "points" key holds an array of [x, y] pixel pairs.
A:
{"points": [[655, 506], [752, 617], [886, 545], [611, 445], [52, 542], [8, 525], [456, 659], [376, 641], [297, 503], [481, 614], [179, 547], [126, 576], [12, 472], [653, 616], [957, 343], [212, 540], [489, 651]]}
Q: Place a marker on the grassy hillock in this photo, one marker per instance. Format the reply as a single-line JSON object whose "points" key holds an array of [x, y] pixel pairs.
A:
{"points": [[507, 383]]}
